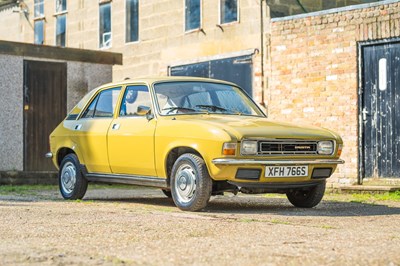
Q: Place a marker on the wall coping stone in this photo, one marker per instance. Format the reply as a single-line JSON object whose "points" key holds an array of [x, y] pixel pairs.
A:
{"points": [[334, 10]]}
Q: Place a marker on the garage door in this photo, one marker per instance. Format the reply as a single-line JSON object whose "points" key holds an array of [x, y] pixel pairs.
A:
{"points": [[235, 69]]}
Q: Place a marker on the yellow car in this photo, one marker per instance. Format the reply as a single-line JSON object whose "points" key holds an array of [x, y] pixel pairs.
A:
{"points": [[192, 138]]}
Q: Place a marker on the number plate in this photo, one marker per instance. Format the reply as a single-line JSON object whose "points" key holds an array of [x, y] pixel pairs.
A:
{"points": [[286, 171]]}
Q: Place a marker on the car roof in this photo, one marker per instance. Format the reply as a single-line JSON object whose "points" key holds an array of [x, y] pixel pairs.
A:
{"points": [[152, 80]]}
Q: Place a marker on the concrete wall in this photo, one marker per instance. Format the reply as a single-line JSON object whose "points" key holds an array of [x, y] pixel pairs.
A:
{"points": [[11, 113], [81, 77], [313, 71]]}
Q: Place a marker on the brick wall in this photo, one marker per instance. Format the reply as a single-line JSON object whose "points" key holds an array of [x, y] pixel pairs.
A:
{"points": [[313, 71], [282, 8]]}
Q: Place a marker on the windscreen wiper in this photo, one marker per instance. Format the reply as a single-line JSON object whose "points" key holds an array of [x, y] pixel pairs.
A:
{"points": [[213, 108], [178, 108]]}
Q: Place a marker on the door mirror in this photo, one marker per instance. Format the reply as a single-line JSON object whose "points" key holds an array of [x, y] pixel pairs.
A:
{"points": [[142, 110], [145, 111]]}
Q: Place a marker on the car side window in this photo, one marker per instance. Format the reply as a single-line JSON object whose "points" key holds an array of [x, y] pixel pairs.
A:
{"points": [[136, 101], [103, 105]]}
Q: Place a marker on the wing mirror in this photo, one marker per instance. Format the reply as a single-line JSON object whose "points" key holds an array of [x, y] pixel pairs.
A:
{"points": [[145, 111]]}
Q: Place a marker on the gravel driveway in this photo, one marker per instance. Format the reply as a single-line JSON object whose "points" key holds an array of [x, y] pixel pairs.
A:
{"points": [[120, 226]]}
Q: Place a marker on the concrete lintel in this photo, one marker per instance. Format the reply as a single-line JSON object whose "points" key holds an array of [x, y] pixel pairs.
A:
{"points": [[60, 53]]}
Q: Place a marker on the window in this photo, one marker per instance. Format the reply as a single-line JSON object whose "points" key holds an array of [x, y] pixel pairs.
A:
{"points": [[103, 105], [229, 11], [192, 15], [60, 30], [61, 6], [39, 22], [105, 25], [38, 8], [39, 31], [136, 101], [132, 20]]}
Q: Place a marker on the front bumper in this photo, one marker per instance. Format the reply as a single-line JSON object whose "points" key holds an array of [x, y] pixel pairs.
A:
{"points": [[225, 161]]}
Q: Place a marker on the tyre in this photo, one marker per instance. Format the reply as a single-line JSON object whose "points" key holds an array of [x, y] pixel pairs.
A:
{"points": [[307, 198], [71, 182], [167, 193], [191, 184]]}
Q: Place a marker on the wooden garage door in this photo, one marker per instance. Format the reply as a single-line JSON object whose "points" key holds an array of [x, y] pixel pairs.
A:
{"points": [[45, 99], [380, 110]]}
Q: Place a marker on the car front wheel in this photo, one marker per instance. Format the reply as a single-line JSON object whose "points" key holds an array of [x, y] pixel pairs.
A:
{"points": [[71, 182], [191, 184], [307, 198]]}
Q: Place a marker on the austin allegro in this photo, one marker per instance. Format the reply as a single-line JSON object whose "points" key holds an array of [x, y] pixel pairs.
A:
{"points": [[192, 138]]}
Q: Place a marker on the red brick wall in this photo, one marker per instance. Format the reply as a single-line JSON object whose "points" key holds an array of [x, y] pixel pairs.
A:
{"points": [[313, 71]]}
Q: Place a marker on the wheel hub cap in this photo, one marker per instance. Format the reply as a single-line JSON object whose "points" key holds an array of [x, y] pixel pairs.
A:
{"points": [[68, 177], [185, 183]]}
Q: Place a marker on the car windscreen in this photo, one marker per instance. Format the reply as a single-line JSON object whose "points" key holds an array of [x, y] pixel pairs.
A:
{"points": [[191, 97]]}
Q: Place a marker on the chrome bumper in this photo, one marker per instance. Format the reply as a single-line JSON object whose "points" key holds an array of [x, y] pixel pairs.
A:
{"points": [[49, 155], [224, 161]]}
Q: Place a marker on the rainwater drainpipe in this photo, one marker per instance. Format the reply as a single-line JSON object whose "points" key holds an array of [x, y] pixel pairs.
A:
{"points": [[262, 54]]}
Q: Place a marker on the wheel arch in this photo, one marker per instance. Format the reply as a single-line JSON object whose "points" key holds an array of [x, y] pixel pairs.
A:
{"points": [[62, 152], [174, 154]]}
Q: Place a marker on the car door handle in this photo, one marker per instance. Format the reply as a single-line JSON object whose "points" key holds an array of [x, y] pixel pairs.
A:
{"points": [[115, 126], [78, 126]]}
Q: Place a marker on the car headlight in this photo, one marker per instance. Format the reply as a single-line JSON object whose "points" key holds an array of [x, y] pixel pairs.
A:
{"points": [[249, 147], [325, 147]]}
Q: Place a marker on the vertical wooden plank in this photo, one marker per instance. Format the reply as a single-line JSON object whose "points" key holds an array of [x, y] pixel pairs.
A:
{"points": [[44, 109]]}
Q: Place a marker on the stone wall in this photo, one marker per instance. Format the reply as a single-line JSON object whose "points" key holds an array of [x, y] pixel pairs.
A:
{"points": [[313, 71], [162, 38]]}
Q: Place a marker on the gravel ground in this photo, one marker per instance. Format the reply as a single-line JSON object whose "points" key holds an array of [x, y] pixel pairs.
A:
{"points": [[121, 226]]}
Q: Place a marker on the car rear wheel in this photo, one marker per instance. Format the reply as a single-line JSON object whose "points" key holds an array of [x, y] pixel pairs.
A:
{"points": [[307, 198], [71, 182], [191, 184]]}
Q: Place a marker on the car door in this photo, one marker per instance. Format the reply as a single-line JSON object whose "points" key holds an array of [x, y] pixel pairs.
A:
{"points": [[131, 135], [92, 130]]}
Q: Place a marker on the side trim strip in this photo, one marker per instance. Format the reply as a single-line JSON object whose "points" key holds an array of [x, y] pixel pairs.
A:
{"points": [[128, 179], [224, 161]]}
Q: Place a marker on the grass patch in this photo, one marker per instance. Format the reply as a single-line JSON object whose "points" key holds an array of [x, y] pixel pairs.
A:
{"points": [[275, 221], [365, 197], [26, 189]]}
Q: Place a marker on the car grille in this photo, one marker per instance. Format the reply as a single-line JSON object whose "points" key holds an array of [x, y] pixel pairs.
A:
{"points": [[286, 147]]}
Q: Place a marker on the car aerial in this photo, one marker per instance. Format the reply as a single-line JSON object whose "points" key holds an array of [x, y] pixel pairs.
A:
{"points": [[192, 138]]}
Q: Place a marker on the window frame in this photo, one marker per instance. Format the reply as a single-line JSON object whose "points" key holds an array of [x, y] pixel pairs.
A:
{"points": [[65, 32], [95, 97], [127, 87], [237, 13], [35, 5], [200, 15], [43, 31], [102, 45], [126, 23], [60, 12]]}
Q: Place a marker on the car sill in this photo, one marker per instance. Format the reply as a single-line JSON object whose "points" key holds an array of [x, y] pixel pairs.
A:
{"points": [[128, 179], [224, 161]]}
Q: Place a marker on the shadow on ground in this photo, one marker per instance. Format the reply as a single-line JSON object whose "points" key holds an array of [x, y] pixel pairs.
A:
{"points": [[241, 204], [247, 204]]}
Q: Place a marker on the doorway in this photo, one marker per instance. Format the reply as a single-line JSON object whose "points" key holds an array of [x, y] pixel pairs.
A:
{"points": [[45, 104], [380, 110]]}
